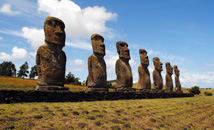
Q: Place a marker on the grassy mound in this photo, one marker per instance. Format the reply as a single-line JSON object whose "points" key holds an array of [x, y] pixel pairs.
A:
{"points": [[12, 83]]}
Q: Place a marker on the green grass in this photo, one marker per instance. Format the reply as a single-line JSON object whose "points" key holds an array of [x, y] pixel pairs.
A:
{"points": [[175, 113]]}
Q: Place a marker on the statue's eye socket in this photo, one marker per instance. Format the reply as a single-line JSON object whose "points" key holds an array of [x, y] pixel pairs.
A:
{"points": [[122, 44], [51, 23], [61, 26], [143, 52], [97, 38]]}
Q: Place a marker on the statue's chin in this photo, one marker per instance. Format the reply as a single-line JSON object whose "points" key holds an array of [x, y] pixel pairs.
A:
{"points": [[56, 42], [100, 53], [145, 65]]}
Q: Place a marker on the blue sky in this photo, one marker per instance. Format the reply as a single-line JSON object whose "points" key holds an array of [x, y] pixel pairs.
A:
{"points": [[177, 31]]}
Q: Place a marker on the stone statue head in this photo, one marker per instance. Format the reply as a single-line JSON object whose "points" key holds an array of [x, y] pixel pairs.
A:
{"points": [[169, 68], [97, 44], [123, 50], [176, 70], [144, 59], [54, 31], [157, 64]]}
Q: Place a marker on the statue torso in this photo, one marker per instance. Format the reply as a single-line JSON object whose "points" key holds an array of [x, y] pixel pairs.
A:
{"points": [[124, 74], [97, 75], [169, 83], [51, 62], [158, 81], [144, 78]]}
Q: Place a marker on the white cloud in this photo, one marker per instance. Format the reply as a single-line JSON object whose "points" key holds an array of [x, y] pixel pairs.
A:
{"points": [[209, 64], [80, 23], [165, 57], [77, 70], [77, 65], [76, 62], [1, 38], [150, 52], [33, 54], [6, 8], [203, 80], [17, 54], [81, 44], [133, 63], [135, 76], [208, 72], [34, 36], [110, 64], [4, 56], [10, 32]]}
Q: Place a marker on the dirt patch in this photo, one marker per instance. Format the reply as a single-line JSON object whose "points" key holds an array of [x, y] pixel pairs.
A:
{"points": [[82, 125], [97, 123], [75, 113]]}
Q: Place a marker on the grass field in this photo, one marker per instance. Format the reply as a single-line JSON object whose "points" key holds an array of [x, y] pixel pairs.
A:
{"points": [[11, 83], [176, 113], [196, 113]]}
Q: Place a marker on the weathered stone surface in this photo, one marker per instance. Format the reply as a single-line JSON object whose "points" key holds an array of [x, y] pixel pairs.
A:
{"points": [[123, 68], [157, 78], [50, 58], [96, 65], [144, 81], [168, 78], [177, 80]]}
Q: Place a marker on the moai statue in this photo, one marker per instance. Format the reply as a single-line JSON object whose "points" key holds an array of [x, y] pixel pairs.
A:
{"points": [[122, 68], [157, 78], [50, 58], [169, 72], [144, 82], [177, 81], [96, 65]]}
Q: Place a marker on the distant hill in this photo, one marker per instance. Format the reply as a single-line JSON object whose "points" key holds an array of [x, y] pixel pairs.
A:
{"points": [[111, 81]]}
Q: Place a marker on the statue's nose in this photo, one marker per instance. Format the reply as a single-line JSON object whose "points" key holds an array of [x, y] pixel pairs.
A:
{"points": [[126, 48], [58, 29], [102, 44]]}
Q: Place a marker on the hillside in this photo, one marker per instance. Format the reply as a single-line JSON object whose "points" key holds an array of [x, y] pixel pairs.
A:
{"points": [[12, 83]]}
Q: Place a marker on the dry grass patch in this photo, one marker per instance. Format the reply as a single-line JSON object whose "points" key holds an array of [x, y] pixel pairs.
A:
{"points": [[177, 113], [12, 83]]}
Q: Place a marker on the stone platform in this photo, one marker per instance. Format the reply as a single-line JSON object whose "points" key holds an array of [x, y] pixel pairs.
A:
{"points": [[14, 96], [52, 88]]}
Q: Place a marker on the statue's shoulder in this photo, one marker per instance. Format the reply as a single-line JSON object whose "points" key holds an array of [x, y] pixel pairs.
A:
{"points": [[140, 67], [91, 56], [119, 61], [42, 47]]}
